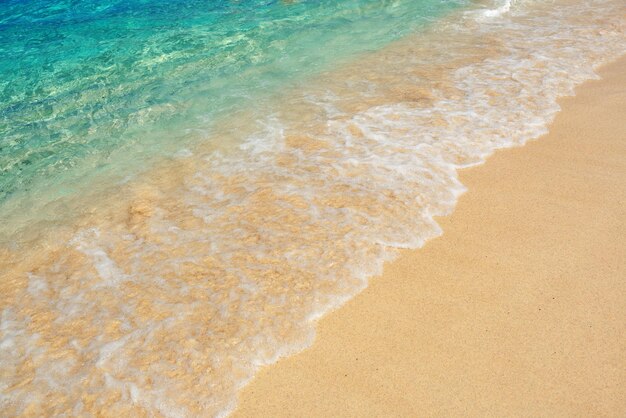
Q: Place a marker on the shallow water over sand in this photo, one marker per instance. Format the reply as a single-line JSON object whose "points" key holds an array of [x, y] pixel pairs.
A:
{"points": [[168, 291]]}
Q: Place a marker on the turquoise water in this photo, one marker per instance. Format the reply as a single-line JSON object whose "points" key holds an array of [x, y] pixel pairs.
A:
{"points": [[187, 187], [80, 81]]}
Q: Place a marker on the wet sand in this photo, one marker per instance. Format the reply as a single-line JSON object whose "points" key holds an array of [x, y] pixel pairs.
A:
{"points": [[517, 310]]}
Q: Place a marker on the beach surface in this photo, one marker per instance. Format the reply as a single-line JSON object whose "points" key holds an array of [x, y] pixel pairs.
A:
{"points": [[516, 310]]}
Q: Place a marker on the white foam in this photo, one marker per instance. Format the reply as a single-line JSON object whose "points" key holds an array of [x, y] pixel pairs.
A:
{"points": [[230, 270], [502, 8], [36, 285], [108, 271]]}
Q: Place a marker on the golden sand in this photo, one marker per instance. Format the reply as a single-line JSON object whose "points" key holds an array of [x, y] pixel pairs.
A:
{"points": [[171, 289], [517, 310]]}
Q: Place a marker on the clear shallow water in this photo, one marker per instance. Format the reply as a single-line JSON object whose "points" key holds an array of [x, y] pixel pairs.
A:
{"points": [[166, 292], [82, 81]]}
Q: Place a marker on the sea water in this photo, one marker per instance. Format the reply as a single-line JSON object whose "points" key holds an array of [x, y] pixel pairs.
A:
{"points": [[186, 187], [86, 83]]}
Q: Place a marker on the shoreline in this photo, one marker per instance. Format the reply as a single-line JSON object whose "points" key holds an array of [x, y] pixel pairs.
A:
{"points": [[515, 310], [166, 294]]}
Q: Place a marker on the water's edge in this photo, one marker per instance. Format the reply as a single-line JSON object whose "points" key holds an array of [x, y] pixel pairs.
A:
{"points": [[169, 299], [392, 257]]}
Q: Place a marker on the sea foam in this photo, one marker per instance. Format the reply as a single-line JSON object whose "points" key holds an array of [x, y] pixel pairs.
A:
{"points": [[220, 262]]}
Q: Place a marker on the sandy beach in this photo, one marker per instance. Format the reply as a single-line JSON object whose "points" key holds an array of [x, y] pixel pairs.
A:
{"points": [[360, 200], [517, 310]]}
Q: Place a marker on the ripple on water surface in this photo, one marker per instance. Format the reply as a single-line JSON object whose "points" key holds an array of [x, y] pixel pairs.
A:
{"points": [[167, 295]]}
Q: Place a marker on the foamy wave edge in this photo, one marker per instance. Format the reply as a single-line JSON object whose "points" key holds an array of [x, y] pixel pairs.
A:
{"points": [[380, 174]]}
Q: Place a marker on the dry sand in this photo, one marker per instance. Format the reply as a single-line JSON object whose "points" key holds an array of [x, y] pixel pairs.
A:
{"points": [[519, 309]]}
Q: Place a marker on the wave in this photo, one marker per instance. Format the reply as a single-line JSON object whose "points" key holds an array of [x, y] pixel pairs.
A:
{"points": [[168, 298]]}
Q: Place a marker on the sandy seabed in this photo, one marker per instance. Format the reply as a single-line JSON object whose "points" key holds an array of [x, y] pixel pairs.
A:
{"points": [[517, 310]]}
